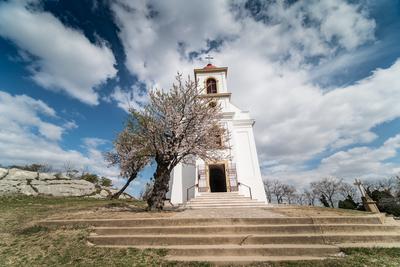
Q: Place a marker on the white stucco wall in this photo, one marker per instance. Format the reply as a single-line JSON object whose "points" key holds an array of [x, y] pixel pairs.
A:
{"points": [[248, 169], [188, 180]]}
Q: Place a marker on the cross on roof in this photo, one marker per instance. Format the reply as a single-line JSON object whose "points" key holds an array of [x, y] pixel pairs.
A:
{"points": [[209, 58]]}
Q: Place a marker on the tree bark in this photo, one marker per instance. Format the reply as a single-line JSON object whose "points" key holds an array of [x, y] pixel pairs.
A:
{"points": [[118, 194], [160, 187], [331, 202]]}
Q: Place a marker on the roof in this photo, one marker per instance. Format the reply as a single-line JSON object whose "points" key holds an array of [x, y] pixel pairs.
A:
{"points": [[210, 68]]}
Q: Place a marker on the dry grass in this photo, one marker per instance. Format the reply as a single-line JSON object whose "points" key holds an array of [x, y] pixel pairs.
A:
{"points": [[23, 243]]}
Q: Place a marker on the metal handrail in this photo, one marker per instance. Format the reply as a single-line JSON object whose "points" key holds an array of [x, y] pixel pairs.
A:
{"points": [[187, 191], [239, 183]]}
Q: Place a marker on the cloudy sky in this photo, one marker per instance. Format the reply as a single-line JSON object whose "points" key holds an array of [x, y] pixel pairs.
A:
{"points": [[321, 78]]}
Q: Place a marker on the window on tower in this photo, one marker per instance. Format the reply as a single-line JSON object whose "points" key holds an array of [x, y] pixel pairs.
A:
{"points": [[211, 86]]}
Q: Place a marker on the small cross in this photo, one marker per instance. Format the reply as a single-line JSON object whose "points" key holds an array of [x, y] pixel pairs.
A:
{"points": [[209, 58]]}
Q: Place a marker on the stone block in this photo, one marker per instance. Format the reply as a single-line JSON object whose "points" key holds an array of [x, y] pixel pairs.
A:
{"points": [[17, 174], [47, 176], [64, 187], [9, 187], [3, 173], [27, 190]]}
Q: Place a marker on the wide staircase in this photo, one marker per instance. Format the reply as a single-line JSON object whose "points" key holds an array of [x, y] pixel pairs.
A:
{"points": [[242, 240], [222, 200]]}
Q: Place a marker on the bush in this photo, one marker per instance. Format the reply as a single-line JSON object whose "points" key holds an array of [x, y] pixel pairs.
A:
{"points": [[377, 195], [90, 177], [390, 205], [386, 202], [105, 182], [348, 203], [33, 167]]}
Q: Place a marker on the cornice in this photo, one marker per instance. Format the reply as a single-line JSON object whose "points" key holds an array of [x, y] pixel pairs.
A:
{"points": [[223, 69], [217, 95], [243, 123]]}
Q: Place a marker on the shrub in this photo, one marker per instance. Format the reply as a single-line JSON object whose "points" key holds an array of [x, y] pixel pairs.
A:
{"points": [[104, 181], [386, 202], [33, 167], [390, 205], [348, 203], [90, 177]]}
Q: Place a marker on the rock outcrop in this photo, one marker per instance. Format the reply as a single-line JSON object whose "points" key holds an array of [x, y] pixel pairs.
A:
{"points": [[16, 181]]}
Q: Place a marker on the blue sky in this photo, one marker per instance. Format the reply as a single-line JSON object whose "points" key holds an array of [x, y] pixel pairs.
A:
{"points": [[321, 78]]}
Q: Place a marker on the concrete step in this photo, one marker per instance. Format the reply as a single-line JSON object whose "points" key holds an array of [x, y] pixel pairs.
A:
{"points": [[222, 199], [241, 260], [224, 205], [218, 193], [221, 196], [248, 229], [245, 250], [216, 221], [211, 201], [135, 240]]}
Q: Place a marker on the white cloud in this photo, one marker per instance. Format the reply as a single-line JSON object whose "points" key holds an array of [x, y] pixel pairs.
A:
{"points": [[363, 161], [70, 125], [358, 162], [155, 34], [22, 111], [25, 137], [66, 60], [345, 22], [93, 142], [271, 61], [127, 99]]}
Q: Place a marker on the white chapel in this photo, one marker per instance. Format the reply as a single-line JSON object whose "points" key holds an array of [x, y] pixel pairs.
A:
{"points": [[240, 171]]}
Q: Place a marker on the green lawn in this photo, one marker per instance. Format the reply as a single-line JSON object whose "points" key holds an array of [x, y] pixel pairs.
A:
{"points": [[23, 243]]}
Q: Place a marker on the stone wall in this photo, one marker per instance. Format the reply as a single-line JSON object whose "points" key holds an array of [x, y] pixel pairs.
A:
{"points": [[16, 181]]}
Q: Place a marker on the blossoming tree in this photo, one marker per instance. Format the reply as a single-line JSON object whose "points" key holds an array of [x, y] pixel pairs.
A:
{"points": [[174, 126]]}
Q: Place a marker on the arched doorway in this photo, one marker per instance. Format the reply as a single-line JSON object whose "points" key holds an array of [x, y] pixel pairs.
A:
{"points": [[217, 177]]}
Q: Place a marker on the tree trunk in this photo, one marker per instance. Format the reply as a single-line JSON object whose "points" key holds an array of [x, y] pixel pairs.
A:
{"points": [[160, 187], [131, 178], [331, 202]]}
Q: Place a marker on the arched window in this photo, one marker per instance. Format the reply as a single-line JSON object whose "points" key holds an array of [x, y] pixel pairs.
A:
{"points": [[211, 86]]}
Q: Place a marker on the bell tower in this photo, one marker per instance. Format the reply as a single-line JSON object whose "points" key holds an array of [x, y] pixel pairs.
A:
{"points": [[238, 169], [212, 80]]}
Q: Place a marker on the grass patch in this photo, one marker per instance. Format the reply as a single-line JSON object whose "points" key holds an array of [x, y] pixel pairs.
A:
{"points": [[32, 230], [355, 257], [24, 243]]}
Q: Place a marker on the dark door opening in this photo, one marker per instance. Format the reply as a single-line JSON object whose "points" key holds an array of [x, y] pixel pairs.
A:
{"points": [[217, 178]]}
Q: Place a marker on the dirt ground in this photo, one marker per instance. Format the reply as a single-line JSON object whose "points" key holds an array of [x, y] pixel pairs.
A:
{"points": [[137, 210]]}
